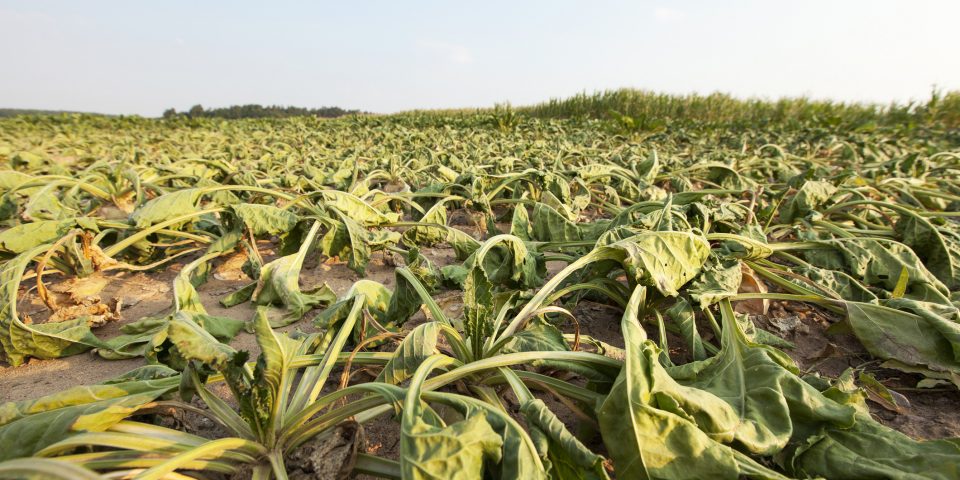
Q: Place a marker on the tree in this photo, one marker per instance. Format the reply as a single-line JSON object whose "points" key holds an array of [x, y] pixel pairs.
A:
{"points": [[170, 113], [196, 111]]}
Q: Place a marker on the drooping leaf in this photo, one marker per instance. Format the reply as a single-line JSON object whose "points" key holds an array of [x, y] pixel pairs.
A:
{"points": [[879, 263], [558, 205], [45, 204], [811, 196], [271, 374], [548, 225], [432, 450], [29, 426], [279, 284], [841, 283], [664, 260], [148, 336], [416, 347], [265, 219], [520, 224], [45, 469], [928, 341], [349, 240], [195, 343], [940, 253], [719, 279], [870, 450], [47, 340], [462, 243], [684, 316], [568, 457], [166, 207], [405, 299], [376, 302], [655, 438], [506, 260], [537, 336], [358, 210], [10, 179], [428, 235], [770, 403], [23, 237]]}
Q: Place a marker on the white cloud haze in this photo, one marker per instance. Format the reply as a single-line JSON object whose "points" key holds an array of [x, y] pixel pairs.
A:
{"points": [[117, 56]]}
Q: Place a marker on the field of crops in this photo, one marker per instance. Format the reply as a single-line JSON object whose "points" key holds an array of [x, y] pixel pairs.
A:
{"points": [[494, 295]]}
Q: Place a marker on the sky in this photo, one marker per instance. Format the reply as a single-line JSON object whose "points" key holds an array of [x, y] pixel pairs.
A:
{"points": [[140, 57]]}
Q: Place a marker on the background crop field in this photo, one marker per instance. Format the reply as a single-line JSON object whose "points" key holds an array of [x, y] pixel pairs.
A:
{"points": [[622, 285]]}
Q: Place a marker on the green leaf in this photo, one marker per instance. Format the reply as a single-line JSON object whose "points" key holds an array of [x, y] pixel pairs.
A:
{"points": [[939, 251], [683, 315], [279, 284], [429, 449], [664, 260], [719, 279], [879, 262], [416, 347], [23, 237], [265, 219], [871, 451], [353, 242], [548, 225], [428, 235], [358, 210], [166, 207], [28, 427], [45, 469], [919, 339], [563, 454], [810, 197], [653, 442], [195, 343]]}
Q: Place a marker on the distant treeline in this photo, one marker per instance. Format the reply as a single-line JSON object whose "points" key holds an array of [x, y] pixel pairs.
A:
{"points": [[645, 110], [259, 111]]}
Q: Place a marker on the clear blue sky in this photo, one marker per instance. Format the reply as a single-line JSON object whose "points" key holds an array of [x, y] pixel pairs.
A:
{"points": [[142, 57]]}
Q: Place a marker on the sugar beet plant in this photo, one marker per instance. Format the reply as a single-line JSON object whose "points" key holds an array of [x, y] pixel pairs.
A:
{"points": [[688, 233]]}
